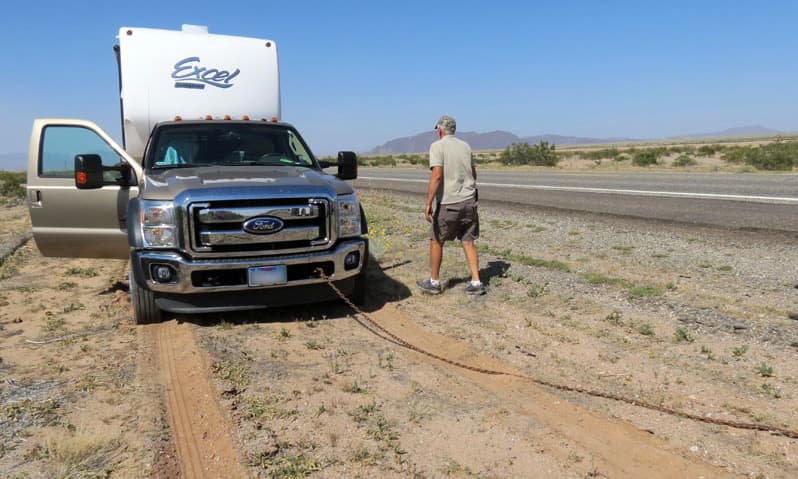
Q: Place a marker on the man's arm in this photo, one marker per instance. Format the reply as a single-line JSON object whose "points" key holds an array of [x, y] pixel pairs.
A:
{"points": [[435, 179]]}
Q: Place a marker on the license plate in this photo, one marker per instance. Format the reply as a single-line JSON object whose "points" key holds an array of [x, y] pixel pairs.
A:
{"points": [[267, 275]]}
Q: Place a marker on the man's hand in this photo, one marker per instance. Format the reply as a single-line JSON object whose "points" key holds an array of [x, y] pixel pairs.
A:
{"points": [[435, 180]]}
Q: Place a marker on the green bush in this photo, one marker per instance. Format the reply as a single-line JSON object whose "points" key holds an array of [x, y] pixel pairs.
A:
{"points": [[708, 150], [414, 159], [685, 160], [11, 184], [646, 158], [606, 153], [542, 154], [735, 154], [774, 156], [682, 149], [377, 161]]}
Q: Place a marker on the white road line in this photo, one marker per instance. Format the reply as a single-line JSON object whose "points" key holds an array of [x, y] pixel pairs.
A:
{"points": [[788, 200]]}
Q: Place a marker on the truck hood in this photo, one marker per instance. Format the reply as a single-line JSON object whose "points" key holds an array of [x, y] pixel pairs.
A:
{"points": [[260, 181]]}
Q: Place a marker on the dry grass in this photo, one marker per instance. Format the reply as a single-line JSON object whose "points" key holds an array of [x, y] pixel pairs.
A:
{"points": [[81, 453]]}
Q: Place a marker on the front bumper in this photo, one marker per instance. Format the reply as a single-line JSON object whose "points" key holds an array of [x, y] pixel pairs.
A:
{"points": [[301, 266]]}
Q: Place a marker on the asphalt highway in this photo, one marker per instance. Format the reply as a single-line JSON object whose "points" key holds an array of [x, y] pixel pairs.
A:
{"points": [[737, 201]]}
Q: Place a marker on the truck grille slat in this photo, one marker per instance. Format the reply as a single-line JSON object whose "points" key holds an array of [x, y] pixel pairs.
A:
{"points": [[219, 227], [234, 237]]}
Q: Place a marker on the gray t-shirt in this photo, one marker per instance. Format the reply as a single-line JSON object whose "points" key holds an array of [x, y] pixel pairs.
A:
{"points": [[454, 155]]}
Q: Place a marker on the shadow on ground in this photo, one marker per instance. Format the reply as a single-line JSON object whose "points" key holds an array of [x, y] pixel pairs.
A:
{"points": [[380, 287], [494, 269]]}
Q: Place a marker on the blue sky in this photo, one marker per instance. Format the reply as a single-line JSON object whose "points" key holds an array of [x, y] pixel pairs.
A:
{"points": [[356, 74]]}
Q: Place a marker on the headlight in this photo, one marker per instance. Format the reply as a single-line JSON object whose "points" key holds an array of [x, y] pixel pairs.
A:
{"points": [[348, 213], [158, 224]]}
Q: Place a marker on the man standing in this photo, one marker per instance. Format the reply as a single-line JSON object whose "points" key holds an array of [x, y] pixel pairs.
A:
{"points": [[452, 185]]}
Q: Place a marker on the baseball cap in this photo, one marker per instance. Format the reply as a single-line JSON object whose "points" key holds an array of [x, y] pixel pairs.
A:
{"points": [[447, 123]]}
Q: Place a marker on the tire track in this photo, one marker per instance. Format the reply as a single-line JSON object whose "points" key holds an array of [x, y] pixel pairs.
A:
{"points": [[618, 448], [204, 443]]}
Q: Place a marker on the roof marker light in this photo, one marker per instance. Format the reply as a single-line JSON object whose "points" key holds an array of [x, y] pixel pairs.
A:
{"points": [[245, 117], [227, 117], [274, 119], [208, 117], [178, 118]]}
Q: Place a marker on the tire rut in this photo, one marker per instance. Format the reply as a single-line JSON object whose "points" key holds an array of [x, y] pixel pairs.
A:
{"points": [[619, 449], [202, 435]]}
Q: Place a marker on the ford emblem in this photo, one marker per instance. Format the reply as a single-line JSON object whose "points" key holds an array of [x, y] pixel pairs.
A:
{"points": [[263, 225]]}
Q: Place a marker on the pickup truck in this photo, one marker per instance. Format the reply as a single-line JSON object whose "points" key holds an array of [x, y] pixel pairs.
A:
{"points": [[218, 204]]}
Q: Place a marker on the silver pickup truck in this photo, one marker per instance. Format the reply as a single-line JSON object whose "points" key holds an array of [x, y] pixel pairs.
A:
{"points": [[218, 215]]}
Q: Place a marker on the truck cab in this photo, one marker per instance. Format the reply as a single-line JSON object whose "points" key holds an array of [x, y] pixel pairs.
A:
{"points": [[218, 204]]}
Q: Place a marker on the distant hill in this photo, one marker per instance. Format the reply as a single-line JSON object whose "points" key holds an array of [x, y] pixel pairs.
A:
{"points": [[13, 161], [495, 140], [492, 140], [749, 130], [571, 140]]}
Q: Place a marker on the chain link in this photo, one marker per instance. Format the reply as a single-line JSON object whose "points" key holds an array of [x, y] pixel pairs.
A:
{"points": [[367, 322]]}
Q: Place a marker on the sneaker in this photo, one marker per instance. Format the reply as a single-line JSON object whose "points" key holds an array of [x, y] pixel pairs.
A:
{"points": [[427, 286], [475, 290]]}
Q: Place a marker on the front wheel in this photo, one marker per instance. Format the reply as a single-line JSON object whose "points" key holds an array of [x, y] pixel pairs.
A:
{"points": [[145, 311], [358, 295]]}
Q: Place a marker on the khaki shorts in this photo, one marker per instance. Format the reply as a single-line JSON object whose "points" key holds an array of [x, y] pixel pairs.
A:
{"points": [[456, 220]]}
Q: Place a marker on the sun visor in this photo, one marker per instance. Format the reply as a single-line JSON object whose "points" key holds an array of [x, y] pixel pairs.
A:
{"points": [[193, 74]]}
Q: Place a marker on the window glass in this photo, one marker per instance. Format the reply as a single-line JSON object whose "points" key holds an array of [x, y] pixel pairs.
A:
{"points": [[60, 145], [192, 145], [297, 148]]}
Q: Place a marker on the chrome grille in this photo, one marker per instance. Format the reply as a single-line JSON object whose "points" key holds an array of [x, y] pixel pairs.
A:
{"points": [[218, 227]]}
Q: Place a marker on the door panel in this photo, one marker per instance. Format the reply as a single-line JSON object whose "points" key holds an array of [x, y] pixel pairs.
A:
{"points": [[69, 222]]}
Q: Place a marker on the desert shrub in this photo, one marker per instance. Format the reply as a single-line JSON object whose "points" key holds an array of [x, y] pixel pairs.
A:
{"points": [[708, 150], [660, 151], [645, 158], [606, 153], [682, 149], [735, 154], [774, 156], [11, 184], [380, 161], [684, 160], [542, 154]]}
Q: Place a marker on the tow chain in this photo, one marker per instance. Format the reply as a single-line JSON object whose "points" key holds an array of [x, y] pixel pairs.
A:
{"points": [[366, 321]]}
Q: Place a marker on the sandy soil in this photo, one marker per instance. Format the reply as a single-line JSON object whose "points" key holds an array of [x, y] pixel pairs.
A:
{"points": [[689, 317]]}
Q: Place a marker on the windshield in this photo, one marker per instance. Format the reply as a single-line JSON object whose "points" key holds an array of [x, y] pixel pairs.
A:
{"points": [[194, 145]]}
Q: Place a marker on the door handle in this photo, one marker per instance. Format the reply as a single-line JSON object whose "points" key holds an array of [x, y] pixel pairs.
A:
{"points": [[35, 199]]}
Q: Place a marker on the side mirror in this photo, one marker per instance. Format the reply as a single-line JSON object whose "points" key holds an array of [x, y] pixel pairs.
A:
{"points": [[88, 172], [347, 165]]}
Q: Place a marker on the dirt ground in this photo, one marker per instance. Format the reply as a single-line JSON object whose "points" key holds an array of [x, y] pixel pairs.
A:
{"points": [[688, 317]]}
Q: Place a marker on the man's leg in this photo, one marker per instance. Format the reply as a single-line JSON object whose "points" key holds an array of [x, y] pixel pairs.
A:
{"points": [[435, 259], [472, 257]]}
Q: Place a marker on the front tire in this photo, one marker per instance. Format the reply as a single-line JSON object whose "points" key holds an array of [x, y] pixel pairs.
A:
{"points": [[358, 295], [145, 311]]}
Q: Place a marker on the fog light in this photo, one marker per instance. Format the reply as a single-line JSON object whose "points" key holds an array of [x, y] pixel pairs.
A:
{"points": [[352, 260], [162, 273]]}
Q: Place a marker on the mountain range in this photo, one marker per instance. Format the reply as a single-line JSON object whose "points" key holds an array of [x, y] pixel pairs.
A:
{"points": [[499, 139], [492, 140]]}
